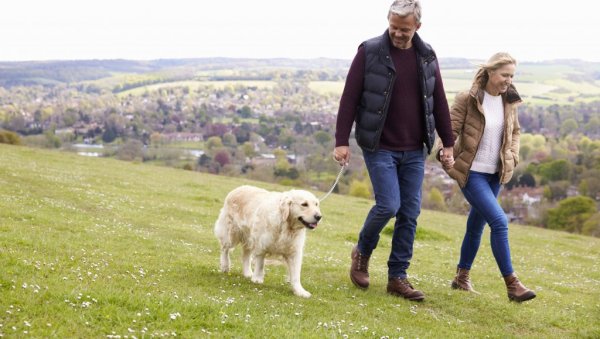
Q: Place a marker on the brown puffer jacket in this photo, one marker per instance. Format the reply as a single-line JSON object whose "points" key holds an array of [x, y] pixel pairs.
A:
{"points": [[468, 124]]}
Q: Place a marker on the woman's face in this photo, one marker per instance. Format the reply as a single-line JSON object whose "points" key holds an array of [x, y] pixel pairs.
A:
{"points": [[500, 79]]}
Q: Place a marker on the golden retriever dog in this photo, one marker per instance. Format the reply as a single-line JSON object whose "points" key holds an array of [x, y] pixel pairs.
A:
{"points": [[267, 223]]}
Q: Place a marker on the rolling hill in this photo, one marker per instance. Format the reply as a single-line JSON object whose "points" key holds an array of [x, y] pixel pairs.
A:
{"points": [[94, 247], [541, 83]]}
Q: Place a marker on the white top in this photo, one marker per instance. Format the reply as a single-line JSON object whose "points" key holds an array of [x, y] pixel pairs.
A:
{"points": [[488, 154]]}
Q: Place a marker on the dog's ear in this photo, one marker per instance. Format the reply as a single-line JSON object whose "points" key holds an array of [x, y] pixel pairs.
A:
{"points": [[284, 206]]}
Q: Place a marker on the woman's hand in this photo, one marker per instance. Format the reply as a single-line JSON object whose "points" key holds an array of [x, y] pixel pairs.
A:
{"points": [[447, 157]]}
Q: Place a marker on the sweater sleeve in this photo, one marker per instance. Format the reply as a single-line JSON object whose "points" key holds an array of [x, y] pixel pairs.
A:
{"points": [[442, 112], [350, 99]]}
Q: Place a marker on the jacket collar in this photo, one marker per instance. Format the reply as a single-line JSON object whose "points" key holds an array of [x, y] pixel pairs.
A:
{"points": [[511, 96], [422, 48]]}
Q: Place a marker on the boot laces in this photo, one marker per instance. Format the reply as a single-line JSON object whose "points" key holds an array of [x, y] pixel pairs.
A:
{"points": [[405, 283], [464, 278], [363, 263]]}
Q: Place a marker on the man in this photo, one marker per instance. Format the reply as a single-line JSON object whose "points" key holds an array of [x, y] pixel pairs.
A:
{"points": [[395, 94]]}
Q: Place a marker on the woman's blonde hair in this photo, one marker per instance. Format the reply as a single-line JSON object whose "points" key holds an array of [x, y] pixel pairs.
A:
{"points": [[494, 62]]}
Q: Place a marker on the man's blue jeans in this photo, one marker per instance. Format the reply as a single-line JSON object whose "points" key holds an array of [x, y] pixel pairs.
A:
{"points": [[481, 191], [396, 178]]}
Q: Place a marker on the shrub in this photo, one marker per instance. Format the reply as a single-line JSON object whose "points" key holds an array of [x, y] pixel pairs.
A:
{"points": [[359, 189], [592, 225], [435, 200], [571, 213], [131, 150], [8, 137]]}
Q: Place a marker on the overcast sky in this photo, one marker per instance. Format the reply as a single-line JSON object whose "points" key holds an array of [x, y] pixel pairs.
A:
{"points": [[531, 30]]}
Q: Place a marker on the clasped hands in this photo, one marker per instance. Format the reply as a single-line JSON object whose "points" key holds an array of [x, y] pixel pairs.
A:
{"points": [[447, 157]]}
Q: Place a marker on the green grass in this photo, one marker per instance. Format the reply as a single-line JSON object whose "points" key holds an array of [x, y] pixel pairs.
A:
{"points": [[327, 87], [100, 248]]}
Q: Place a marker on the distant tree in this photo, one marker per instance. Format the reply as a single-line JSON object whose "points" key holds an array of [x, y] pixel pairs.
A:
{"points": [[527, 180], [109, 135], [286, 138], [571, 213], [593, 126], [583, 187], [16, 123], [554, 170], [114, 126], [223, 157], [229, 139], [242, 133], [524, 152], [204, 160], [291, 172], [298, 127], [245, 111], [556, 190], [217, 129], [590, 185], [157, 139], [589, 153], [248, 149], [280, 154], [322, 137], [568, 126], [69, 117], [212, 143], [282, 165]]}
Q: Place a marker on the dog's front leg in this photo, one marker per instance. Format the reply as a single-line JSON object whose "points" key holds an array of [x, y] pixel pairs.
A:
{"points": [[225, 261], [246, 258], [294, 263], [259, 269]]}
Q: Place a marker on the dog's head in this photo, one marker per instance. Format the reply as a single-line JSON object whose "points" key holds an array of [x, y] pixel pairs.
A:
{"points": [[302, 207]]}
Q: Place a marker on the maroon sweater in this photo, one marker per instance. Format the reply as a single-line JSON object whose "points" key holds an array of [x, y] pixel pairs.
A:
{"points": [[404, 128]]}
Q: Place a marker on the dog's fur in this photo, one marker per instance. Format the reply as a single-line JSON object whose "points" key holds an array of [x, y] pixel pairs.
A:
{"points": [[267, 223]]}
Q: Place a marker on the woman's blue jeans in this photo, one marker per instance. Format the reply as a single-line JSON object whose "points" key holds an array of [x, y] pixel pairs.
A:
{"points": [[481, 191], [396, 178]]}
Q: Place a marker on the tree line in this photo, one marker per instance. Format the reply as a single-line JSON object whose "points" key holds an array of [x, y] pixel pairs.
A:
{"points": [[282, 132]]}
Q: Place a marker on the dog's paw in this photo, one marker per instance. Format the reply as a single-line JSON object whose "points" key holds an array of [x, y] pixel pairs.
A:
{"points": [[303, 293], [257, 280]]}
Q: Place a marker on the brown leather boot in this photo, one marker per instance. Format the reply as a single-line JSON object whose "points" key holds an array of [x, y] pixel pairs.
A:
{"points": [[402, 288], [516, 290], [462, 281], [359, 270]]}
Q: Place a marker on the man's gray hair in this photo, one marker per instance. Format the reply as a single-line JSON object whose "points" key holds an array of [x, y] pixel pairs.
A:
{"points": [[406, 7]]}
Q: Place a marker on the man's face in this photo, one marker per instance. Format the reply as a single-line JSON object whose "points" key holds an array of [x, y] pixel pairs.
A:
{"points": [[402, 30]]}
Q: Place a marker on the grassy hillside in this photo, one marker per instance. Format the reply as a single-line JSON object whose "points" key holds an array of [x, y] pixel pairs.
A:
{"points": [[100, 248]]}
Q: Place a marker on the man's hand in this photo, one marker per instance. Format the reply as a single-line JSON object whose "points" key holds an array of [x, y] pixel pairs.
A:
{"points": [[447, 157], [341, 154]]}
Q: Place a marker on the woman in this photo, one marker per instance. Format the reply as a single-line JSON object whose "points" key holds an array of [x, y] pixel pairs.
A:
{"points": [[486, 151]]}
